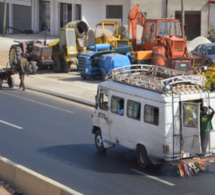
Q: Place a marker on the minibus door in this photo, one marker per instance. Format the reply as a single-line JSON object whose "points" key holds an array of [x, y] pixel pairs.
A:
{"points": [[190, 128], [103, 113]]}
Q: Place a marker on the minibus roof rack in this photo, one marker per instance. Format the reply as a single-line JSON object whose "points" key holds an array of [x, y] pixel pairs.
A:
{"points": [[159, 79]]}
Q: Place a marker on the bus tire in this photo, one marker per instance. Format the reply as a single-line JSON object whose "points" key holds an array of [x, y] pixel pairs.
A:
{"points": [[142, 157], [99, 142]]}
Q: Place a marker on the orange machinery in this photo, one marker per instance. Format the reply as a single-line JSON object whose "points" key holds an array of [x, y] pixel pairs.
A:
{"points": [[158, 33]]}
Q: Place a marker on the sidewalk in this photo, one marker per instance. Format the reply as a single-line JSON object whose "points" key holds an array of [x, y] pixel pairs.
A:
{"points": [[65, 85]]}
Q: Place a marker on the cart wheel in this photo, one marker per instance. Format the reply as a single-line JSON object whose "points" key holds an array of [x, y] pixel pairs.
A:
{"points": [[11, 82], [0, 83], [32, 68]]}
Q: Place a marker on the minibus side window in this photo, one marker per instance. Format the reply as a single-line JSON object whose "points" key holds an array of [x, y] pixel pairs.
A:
{"points": [[117, 105], [151, 114], [103, 101], [133, 110]]}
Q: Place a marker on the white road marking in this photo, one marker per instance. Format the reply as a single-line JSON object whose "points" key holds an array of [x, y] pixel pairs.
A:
{"points": [[152, 177], [47, 105], [10, 124]]}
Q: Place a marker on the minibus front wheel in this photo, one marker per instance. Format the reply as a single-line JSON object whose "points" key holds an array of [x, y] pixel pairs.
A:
{"points": [[99, 142]]}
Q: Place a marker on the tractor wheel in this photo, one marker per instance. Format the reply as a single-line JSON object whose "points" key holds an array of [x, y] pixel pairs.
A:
{"points": [[99, 142], [11, 82], [1, 83], [142, 157], [32, 68], [57, 65], [65, 66], [83, 76], [14, 56]]}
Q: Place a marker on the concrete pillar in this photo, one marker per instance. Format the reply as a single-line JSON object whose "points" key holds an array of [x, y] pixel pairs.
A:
{"points": [[35, 15], [10, 22]]}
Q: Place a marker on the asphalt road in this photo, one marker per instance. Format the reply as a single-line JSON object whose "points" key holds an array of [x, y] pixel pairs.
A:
{"points": [[53, 137]]}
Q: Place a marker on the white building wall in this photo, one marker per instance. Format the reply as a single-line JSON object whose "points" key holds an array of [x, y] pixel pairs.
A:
{"points": [[190, 5], [94, 11], [153, 8], [17, 2]]}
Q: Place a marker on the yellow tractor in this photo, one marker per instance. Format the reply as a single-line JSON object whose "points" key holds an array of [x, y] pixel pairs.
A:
{"points": [[110, 32], [70, 44]]}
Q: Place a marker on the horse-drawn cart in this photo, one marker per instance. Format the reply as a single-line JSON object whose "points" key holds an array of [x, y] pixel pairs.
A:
{"points": [[6, 77]]}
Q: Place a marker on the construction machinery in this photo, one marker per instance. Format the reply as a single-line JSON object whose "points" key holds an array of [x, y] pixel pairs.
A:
{"points": [[37, 53], [210, 78], [71, 43], [102, 60], [110, 32], [162, 41]]}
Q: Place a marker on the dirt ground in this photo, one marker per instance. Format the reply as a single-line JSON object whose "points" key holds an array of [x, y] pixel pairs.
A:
{"points": [[7, 189], [3, 59]]}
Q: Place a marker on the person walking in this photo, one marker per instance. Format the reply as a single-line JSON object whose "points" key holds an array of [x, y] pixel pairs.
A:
{"points": [[23, 65], [205, 127]]}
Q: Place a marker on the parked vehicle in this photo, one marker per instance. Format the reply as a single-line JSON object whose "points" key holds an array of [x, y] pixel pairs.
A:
{"points": [[206, 53], [210, 78], [161, 118], [70, 44], [162, 43], [37, 53], [110, 32], [102, 60]]}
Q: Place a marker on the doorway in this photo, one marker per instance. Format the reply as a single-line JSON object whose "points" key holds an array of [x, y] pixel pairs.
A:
{"points": [[192, 26]]}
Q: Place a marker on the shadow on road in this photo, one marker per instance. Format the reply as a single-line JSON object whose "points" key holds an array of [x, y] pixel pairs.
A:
{"points": [[118, 160]]}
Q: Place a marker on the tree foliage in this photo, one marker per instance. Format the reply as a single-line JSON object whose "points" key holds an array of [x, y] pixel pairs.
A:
{"points": [[211, 36]]}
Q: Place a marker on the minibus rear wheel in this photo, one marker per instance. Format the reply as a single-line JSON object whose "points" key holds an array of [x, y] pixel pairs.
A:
{"points": [[142, 157], [99, 142]]}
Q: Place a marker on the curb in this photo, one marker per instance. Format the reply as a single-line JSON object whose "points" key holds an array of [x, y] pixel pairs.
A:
{"points": [[31, 182], [74, 99]]}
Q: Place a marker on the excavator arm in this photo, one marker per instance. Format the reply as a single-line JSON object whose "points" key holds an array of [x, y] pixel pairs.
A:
{"points": [[134, 15]]}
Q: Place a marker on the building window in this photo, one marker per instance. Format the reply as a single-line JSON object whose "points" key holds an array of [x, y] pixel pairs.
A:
{"points": [[117, 105], [114, 11], [78, 12], [44, 15], [151, 114], [65, 14], [133, 110]]}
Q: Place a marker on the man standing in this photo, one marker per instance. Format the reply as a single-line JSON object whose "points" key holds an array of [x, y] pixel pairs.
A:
{"points": [[23, 65], [206, 127]]}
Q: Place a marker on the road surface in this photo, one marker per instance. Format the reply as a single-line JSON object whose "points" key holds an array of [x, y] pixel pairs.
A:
{"points": [[53, 137]]}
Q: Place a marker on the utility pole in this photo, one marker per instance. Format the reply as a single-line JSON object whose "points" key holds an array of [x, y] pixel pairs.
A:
{"points": [[182, 17], [4, 20]]}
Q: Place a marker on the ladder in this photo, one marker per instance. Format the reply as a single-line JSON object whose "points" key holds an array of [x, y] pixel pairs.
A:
{"points": [[153, 77]]}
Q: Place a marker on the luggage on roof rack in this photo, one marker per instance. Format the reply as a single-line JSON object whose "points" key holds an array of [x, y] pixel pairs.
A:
{"points": [[157, 78]]}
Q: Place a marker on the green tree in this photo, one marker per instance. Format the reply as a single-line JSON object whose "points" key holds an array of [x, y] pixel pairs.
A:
{"points": [[211, 36]]}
